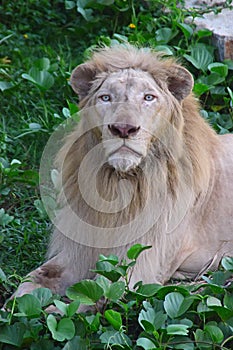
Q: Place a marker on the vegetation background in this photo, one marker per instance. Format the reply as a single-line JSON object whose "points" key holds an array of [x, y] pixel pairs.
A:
{"points": [[40, 43]]}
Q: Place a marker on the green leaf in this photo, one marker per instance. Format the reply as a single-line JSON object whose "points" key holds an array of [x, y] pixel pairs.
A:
{"points": [[177, 329], [200, 57], [172, 304], [42, 63], [136, 250], [28, 305], [215, 333], [228, 300], [93, 322], [87, 292], [148, 290], [112, 259], [12, 334], [115, 291], [219, 68], [146, 344], [182, 343], [77, 343], [212, 301], [69, 5], [5, 219], [227, 263], [186, 29], [200, 88], [151, 320], [5, 85], [203, 33], [114, 318], [62, 330], [2, 276], [41, 78], [115, 338], [164, 35], [72, 308], [34, 126], [44, 295], [108, 270]]}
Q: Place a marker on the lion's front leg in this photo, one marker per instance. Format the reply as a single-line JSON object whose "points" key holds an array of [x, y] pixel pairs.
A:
{"points": [[49, 275]]}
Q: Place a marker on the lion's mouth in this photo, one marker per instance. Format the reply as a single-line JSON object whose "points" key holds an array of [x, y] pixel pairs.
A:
{"points": [[124, 150]]}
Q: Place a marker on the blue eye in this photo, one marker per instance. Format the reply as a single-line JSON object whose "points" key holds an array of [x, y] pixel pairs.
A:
{"points": [[105, 98], [149, 97]]}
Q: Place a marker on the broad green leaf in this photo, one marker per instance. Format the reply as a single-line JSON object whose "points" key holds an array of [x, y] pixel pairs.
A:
{"points": [[5, 85], [77, 343], [203, 340], [227, 263], [69, 5], [172, 304], [165, 48], [34, 126], [62, 330], [93, 322], [28, 305], [44, 295], [164, 290], [228, 300], [177, 329], [151, 320], [112, 259], [186, 29], [72, 308], [2, 276], [42, 63], [204, 33], [106, 2], [200, 57], [136, 250], [146, 344], [115, 338], [115, 291], [108, 270], [87, 292], [148, 290], [61, 306], [12, 334], [212, 301], [5, 219], [164, 35], [219, 68], [182, 343], [114, 318], [200, 88], [215, 333], [42, 78], [104, 283]]}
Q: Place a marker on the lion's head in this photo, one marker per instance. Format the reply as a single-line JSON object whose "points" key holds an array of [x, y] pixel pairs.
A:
{"points": [[134, 96]]}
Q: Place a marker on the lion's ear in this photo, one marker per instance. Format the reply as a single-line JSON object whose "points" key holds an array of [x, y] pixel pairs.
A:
{"points": [[81, 79], [180, 82]]}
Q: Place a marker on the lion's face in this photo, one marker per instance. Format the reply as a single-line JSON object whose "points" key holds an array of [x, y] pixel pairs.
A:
{"points": [[130, 107], [130, 95]]}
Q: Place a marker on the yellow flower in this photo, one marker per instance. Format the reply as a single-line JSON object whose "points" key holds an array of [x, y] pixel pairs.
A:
{"points": [[5, 60], [25, 36], [132, 26]]}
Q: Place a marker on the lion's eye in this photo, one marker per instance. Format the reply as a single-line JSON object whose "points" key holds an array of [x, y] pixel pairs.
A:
{"points": [[149, 97], [105, 98]]}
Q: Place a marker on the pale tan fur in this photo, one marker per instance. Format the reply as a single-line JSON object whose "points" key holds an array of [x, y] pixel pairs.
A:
{"points": [[183, 165]]}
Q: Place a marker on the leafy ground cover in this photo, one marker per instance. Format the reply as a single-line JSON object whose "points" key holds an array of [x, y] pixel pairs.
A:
{"points": [[41, 42]]}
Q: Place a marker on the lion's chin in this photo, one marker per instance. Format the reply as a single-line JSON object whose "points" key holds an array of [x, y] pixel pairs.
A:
{"points": [[124, 162]]}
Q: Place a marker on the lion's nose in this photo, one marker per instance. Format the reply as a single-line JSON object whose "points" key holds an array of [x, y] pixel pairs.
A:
{"points": [[123, 130]]}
